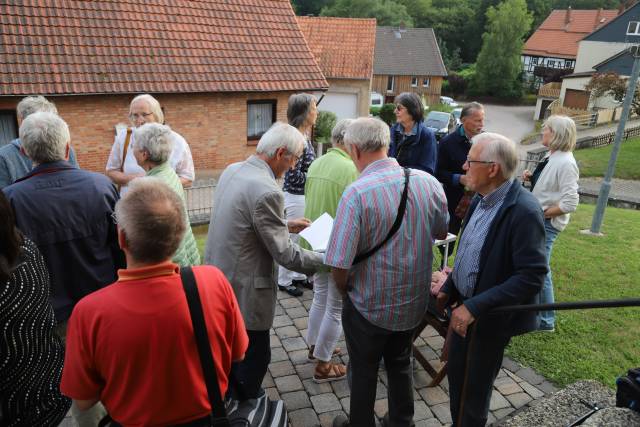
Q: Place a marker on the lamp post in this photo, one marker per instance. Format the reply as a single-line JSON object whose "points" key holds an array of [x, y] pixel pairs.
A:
{"points": [[605, 188]]}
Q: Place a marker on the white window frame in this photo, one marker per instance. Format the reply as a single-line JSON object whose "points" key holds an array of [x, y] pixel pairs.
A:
{"points": [[269, 106], [392, 80], [633, 29], [426, 82], [414, 81]]}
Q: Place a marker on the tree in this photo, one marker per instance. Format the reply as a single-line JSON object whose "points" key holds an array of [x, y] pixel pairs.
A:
{"points": [[498, 69], [386, 12], [610, 83], [309, 7]]}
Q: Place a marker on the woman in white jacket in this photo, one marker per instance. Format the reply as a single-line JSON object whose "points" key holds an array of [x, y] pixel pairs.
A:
{"points": [[555, 185]]}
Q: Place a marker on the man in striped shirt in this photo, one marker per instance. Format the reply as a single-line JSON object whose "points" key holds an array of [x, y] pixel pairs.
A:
{"points": [[386, 293]]}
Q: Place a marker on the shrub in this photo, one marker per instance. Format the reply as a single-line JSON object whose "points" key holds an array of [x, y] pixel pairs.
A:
{"points": [[374, 111], [324, 125], [387, 113]]}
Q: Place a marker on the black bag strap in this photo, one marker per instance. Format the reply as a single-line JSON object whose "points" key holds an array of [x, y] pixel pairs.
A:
{"points": [[218, 411], [396, 225]]}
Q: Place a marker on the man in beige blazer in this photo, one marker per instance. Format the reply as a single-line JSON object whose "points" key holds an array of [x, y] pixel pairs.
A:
{"points": [[247, 233]]}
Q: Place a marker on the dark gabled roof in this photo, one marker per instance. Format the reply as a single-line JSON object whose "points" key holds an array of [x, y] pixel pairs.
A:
{"points": [[158, 46], [343, 47], [407, 52], [634, 9]]}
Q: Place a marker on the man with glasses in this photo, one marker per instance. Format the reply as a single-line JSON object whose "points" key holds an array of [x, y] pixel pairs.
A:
{"points": [[247, 233], [122, 166], [500, 262]]}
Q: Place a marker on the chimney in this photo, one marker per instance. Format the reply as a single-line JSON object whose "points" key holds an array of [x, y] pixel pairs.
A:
{"points": [[567, 17], [598, 15]]}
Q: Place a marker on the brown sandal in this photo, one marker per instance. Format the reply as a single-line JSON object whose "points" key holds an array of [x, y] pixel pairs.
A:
{"points": [[311, 358], [332, 372]]}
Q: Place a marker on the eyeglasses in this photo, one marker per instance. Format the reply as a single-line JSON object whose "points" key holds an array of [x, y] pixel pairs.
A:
{"points": [[139, 116], [399, 107], [296, 157], [486, 162]]}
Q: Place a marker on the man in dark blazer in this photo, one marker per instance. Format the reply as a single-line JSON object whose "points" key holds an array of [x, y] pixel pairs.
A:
{"points": [[500, 262]]}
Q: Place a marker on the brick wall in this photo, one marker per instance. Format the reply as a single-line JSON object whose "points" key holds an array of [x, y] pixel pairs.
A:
{"points": [[214, 124]]}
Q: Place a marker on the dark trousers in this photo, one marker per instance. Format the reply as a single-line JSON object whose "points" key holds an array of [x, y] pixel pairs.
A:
{"points": [[247, 375], [367, 344], [474, 363]]}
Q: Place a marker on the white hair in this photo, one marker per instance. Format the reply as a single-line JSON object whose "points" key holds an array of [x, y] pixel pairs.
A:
{"points": [[564, 133], [280, 135], [155, 139], [499, 149], [152, 217], [34, 104], [44, 137], [154, 106], [337, 134], [369, 134]]}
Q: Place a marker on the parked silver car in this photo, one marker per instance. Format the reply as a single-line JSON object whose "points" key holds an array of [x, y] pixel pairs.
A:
{"points": [[440, 123]]}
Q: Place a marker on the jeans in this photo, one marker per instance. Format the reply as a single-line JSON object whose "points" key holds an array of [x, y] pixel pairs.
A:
{"points": [[325, 317], [367, 345], [245, 381], [547, 319], [293, 209]]}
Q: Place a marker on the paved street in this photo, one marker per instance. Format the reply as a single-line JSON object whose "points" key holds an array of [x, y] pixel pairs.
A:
{"points": [[310, 404], [514, 122]]}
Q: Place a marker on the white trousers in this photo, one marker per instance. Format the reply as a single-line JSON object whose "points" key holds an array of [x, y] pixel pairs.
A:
{"points": [[293, 208], [325, 317]]}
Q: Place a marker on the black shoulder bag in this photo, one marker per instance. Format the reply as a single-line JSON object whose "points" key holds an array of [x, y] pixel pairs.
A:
{"points": [[396, 225], [218, 411]]}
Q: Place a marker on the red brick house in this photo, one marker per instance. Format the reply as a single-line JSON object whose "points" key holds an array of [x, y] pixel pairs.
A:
{"points": [[344, 50], [223, 71]]}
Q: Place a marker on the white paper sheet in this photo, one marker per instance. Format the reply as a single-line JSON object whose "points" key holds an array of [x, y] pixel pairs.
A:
{"points": [[317, 234]]}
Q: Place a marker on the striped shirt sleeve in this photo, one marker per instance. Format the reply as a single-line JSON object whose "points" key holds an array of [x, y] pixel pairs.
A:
{"points": [[343, 243]]}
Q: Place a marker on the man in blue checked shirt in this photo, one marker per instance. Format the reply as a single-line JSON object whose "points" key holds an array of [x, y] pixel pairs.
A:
{"points": [[500, 262]]}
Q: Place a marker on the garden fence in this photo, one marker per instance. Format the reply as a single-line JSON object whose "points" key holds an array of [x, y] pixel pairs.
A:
{"points": [[200, 201]]}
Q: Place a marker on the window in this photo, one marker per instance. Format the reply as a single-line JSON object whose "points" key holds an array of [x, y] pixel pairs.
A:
{"points": [[568, 63], [426, 82], [414, 81], [390, 83], [633, 29], [8, 126], [551, 64], [260, 116]]}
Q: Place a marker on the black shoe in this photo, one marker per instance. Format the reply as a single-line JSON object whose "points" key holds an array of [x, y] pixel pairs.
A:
{"points": [[291, 290], [340, 420], [303, 283]]}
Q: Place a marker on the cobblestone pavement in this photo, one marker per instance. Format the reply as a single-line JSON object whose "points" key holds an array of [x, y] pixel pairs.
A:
{"points": [[310, 404]]}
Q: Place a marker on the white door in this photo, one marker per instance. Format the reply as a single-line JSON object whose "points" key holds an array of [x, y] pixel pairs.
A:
{"points": [[343, 105]]}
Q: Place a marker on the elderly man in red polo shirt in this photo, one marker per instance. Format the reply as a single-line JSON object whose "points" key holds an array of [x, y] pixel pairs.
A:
{"points": [[131, 345]]}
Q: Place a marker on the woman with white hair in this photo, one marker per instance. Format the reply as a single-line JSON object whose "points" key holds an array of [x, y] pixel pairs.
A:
{"points": [[555, 184], [122, 166], [151, 150]]}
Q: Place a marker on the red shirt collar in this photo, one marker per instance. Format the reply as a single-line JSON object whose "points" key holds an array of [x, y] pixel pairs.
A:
{"points": [[166, 268]]}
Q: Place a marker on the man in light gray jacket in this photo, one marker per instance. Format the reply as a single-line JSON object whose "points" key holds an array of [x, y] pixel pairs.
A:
{"points": [[247, 233]]}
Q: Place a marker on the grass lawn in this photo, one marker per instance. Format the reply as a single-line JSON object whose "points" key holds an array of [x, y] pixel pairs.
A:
{"points": [[598, 344], [593, 162]]}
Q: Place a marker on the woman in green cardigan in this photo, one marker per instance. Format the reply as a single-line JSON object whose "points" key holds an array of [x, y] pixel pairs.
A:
{"points": [[151, 149]]}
